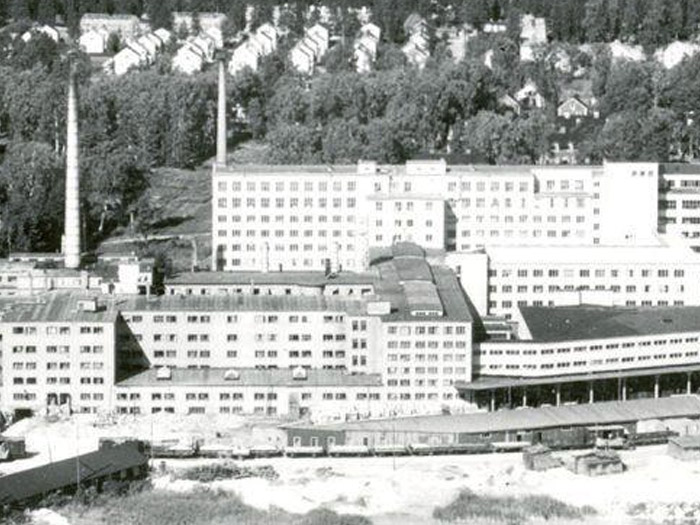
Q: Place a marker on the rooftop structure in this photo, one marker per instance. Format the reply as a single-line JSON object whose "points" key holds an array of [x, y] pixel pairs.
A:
{"points": [[599, 322], [251, 377]]}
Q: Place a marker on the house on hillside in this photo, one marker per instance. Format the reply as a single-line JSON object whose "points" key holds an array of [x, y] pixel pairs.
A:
{"points": [[417, 47], [94, 42], [130, 57], [414, 23], [322, 37], [259, 44], [371, 30], [573, 107], [209, 23], [302, 57], [417, 52], [163, 34], [529, 96], [126, 26], [533, 32], [194, 54], [576, 122], [50, 31], [310, 49], [509, 103]]}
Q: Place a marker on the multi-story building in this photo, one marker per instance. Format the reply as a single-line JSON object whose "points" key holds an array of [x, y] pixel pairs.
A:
{"points": [[301, 217], [586, 353], [396, 337], [503, 279], [59, 350]]}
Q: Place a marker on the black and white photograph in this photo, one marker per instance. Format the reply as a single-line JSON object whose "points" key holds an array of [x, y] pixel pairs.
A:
{"points": [[349, 262]]}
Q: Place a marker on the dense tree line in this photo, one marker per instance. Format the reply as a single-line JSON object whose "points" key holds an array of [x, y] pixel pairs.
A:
{"points": [[128, 125]]}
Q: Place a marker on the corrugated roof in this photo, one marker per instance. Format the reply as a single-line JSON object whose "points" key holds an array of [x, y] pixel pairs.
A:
{"points": [[26, 484], [243, 302], [534, 418], [61, 306], [262, 278], [422, 296], [571, 323], [269, 377]]}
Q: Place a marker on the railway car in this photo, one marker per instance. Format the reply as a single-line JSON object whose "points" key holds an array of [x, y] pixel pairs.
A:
{"points": [[304, 452], [390, 450], [348, 450]]}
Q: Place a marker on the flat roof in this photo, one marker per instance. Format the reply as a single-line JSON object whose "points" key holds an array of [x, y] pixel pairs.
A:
{"points": [[318, 279], [491, 382], [604, 413], [594, 255], [574, 323], [61, 307], [246, 302], [263, 377], [400, 169]]}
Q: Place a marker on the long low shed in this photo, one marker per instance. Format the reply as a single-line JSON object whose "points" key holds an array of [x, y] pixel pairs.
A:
{"points": [[561, 425], [119, 462]]}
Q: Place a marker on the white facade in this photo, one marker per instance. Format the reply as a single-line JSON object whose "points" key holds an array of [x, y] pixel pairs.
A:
{"points": [[261, 43], [558, 276], [93, 42], [310, 49], [486, 206]]}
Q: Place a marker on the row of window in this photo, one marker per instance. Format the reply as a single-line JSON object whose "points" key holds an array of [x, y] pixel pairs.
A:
{"points": [[56, 330], [423, 330], [598, 272], [281, 186]]}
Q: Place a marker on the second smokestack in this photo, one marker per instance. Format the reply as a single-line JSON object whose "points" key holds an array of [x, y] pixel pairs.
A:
{"points": [[221, 116], [71, 249]]}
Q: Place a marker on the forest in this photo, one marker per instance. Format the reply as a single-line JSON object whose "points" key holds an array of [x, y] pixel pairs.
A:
{"points": [[154, 118]]}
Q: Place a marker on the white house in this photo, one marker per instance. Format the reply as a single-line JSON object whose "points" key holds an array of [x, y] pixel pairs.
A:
{"points": [[321, 35], [194, 53], [533, 32], [47, 30], [261, 43], [530, 96], [372, 30], [245, 55], [302, 57], [94, 42], [131, 56], [188, 59], [163, 34], [365, 52]]}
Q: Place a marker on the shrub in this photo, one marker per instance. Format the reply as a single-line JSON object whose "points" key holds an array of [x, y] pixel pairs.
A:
{"points": [[513, 510], [219, 471]]}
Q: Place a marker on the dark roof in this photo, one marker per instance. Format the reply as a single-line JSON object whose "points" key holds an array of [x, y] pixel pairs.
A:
{"points": [[407, 249], [61, 307], [262, 278], [38, 481], [573, 323], [678, 167], [604, 413], [245, 302], [207, 377]]}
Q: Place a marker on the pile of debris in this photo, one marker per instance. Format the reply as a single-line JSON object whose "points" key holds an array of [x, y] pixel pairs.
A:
{"points": [[226, 470]]}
